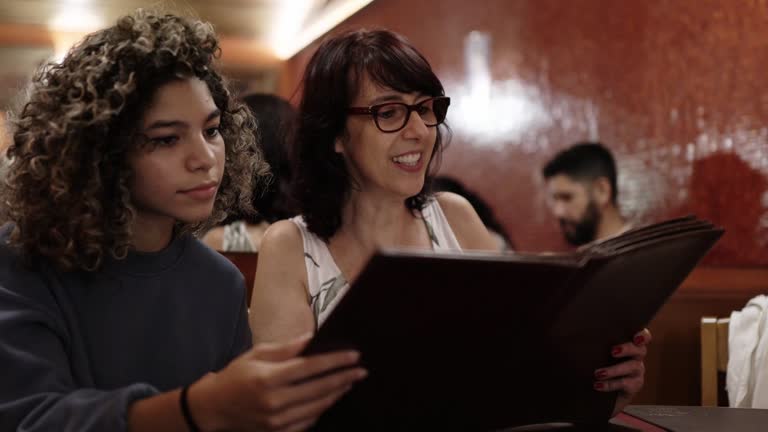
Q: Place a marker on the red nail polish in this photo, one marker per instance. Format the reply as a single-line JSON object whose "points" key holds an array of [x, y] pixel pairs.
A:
{"points": [[599, 374], [616, 350], [638, 340], [599, 386]]}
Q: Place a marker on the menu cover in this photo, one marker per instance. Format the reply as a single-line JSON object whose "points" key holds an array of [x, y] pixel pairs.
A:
{"points": [[476, 341]]}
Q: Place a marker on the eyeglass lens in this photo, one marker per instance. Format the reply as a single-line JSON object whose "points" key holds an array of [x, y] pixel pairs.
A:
{"points": [[394, 116]]}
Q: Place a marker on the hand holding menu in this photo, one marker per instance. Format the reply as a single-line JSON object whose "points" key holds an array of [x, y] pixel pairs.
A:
{"points": [[480, 342]]}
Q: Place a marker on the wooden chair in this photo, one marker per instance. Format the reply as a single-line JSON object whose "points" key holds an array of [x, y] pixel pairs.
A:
{"points": [[246, 262], [714, 357]]}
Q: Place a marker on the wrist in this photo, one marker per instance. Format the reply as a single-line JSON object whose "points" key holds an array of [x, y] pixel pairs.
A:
{"points": [[201, 401]]}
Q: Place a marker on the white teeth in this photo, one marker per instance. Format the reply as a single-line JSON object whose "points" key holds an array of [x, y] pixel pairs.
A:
{"points": [[410, 159]]}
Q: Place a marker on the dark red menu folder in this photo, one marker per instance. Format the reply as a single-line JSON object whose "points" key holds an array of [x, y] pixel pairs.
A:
{"points": [[482, 342]]}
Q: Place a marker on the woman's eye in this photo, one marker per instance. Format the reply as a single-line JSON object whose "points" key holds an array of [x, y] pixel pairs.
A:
{"points": [[423, 110], [387, 113], [165, 141], [212, 132]]}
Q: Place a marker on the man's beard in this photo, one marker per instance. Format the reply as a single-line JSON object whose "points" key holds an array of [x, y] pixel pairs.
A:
{"points": [[584, 230]]}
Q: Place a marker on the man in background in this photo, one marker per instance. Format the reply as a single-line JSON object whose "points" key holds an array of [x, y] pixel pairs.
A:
{"points": [[581, 190]]}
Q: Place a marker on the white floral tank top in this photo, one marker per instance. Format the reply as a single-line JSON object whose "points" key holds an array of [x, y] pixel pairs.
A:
{"points": [[326, 283]]}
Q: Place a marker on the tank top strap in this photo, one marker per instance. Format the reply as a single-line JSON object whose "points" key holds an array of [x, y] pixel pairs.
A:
{"points": [[325, 282], [440, 232]]}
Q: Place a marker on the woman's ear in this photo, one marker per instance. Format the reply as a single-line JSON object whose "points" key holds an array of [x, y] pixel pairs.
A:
{"points": [[340, 141]]}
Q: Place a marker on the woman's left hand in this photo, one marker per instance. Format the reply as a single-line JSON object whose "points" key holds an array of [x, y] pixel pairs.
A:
{"points": [[628, 376]]}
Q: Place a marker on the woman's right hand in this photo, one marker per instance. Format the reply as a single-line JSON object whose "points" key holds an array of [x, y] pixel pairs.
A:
{"points": [[269, 388]]}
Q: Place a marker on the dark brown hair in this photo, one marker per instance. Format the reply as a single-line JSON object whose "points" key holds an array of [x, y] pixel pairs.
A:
{"points": [[275, 119], [584, 162], [67, 187], [331, 82]]}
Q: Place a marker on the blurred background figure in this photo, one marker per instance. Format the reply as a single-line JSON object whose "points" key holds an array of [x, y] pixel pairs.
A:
{"points": [[483, 209], [581, 189], [242, 232]]}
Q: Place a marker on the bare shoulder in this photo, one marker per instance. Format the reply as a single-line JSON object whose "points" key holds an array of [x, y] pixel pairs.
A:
{"points": [[282, 237], [465, 223], [214, 238], [455, 206], [281, 256], [279, 305], [281, 253]]}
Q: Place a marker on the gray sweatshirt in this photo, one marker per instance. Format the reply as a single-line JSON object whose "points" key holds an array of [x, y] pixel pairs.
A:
{"points": [[77, 348]]}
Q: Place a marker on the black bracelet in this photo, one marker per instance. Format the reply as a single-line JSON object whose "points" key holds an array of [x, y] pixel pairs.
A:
{"points": [[185, 411]]}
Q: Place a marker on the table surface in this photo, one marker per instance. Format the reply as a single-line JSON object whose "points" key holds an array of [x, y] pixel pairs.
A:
{"points": [[701, 419], [659, 418]]}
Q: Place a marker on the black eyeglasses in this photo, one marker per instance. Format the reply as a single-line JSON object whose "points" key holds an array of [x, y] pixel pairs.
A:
{"points": [[393, 116]]}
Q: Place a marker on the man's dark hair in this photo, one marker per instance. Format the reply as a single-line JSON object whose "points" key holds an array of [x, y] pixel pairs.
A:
{"points": [[584, 161]]}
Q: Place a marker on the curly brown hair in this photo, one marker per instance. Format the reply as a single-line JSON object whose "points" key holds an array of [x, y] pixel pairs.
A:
{"points": [[67, 187]]}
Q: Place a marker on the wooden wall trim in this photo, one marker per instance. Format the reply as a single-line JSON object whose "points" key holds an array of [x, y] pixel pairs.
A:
{"points": [[25, 35], [236, 52], [725, 282]]}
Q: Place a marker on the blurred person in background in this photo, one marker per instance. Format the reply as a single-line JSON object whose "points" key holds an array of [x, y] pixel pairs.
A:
{"points": [[449, 184], [582, 194]]}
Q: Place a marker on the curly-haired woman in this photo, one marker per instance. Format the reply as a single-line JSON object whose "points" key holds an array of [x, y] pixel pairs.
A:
{"points": [[112, 315]]}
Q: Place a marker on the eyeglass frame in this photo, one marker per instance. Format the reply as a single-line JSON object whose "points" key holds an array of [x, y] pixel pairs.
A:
{"points": [[373, 111]]}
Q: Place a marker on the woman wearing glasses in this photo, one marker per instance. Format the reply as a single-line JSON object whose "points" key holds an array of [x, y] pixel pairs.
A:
{"points": [[369, 137]]}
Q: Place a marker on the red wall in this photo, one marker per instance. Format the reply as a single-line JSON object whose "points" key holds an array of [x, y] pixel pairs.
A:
{"points": [[676, 89]]}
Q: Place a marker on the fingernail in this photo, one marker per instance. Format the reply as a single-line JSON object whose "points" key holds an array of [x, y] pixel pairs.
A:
{"points": [[599, 386], [638, 340], [361, 374], [354, 356], [616, 350], [600, 374]]}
